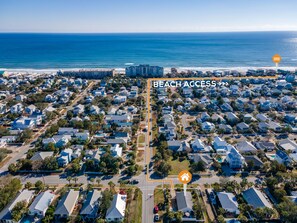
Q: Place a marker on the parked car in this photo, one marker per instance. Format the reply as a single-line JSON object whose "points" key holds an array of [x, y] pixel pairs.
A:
{"points": [[156, 217], [156, 209]]}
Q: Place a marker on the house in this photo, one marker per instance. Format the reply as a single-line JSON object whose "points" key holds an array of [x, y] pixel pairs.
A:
{"points": [[225, 128], [78, 109], [117, 118], [228, 202], [198, 146], [226, 107], [9, 139], [206, 159], [207, 126], [24, 123], [261, 117], [113, 142], [65, 157], [288, 145], [234, 158], [246, 147], [67, 131], [84, 136], [265, 145], [231, 117], [41, 204], [116, 212], [116, 150], [58, 140], [263, 127], [178, 146], [30, 109], [117, 99], [219, 144], [5, 214], [275, 126], [20, 97], [242, 127], [248, 118], [3, 108], [66, 205], [255, 198], [40, 156], [185, 205], [257, 162], [16, 109], [122, 135], [91, 204], [282, 157]]}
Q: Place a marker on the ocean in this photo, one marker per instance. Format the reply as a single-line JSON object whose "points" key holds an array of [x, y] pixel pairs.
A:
{"points": [[54, 51]]}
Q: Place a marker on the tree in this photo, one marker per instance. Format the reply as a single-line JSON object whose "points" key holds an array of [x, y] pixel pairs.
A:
{"points": [[69, 178], [50, 163], [26, 135], [12, 168], [199, 166], [9, 190], [111, 185], [288, 210], [98, 181], [28, 185], [19, 210], [221, 219], [75, 179], [163, 168], [39, 185]]}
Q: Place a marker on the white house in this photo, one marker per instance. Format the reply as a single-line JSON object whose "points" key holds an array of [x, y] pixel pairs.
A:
{"points": [[41, 204], [116, 212], [207, 126], [5, 214], [65, 157], [67, 204], [116, 150], [234, 158], [16, 109]]}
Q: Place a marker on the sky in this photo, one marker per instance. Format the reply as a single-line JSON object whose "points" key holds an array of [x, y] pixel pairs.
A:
{"points": [[109, 16]]}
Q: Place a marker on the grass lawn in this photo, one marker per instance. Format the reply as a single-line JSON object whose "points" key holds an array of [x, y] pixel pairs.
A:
{"points": [[178, 166], [159, 198], [141, 138], [134, 209]]}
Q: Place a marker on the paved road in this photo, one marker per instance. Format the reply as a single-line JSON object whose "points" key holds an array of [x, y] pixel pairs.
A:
{"points": [[24, 149]]}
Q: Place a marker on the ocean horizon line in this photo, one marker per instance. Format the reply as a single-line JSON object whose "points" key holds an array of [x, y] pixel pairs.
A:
{"points": [[153, 32]]}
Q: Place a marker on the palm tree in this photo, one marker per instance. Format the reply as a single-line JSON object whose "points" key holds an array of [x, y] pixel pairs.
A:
{"points": [[69, 178], [111, 184], [98, 180], [75, 179]]}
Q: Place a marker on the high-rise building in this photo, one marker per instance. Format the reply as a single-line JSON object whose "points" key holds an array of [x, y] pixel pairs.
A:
{"points": [[144, 70]]}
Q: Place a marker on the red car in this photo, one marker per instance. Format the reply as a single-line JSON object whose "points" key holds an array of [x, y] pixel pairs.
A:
{"points": [[156, 209]]}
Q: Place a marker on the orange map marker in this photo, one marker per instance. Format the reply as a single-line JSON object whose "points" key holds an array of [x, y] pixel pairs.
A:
{"points": [[185, 177], [276, 59]]}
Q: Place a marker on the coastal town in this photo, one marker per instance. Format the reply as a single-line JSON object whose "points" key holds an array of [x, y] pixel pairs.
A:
{"points": [[103, 145]]}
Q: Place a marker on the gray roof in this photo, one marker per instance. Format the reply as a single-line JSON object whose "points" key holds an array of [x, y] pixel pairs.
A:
{"points": [[91, 204], [67, 203], [42, 201], [117, 207], [25, 195], [184, 201], [255, 198], [257, 161], [41, 156], [227, 200]]}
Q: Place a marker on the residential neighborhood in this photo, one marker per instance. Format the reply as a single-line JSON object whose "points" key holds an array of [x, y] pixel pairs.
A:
{"points": [[109, 148]]}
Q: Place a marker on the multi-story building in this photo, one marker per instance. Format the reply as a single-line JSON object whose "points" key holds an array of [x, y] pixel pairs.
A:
{"points": [[88, 73], [144, 70]]}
